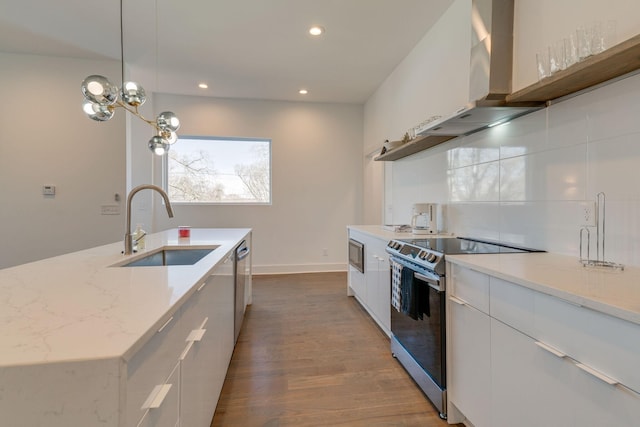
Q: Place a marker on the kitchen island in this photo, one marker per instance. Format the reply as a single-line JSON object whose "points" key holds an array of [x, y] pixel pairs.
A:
{"points": [[87, 341]]}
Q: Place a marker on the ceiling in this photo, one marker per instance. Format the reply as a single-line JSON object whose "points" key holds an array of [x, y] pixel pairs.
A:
{"points": [[257, 49]]}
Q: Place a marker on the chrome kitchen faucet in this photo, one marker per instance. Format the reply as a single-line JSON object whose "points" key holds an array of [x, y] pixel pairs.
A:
{"points": [[128, 238]]}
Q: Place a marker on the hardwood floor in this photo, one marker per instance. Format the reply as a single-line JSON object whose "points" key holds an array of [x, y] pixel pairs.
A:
{"points": [[308, 355]]}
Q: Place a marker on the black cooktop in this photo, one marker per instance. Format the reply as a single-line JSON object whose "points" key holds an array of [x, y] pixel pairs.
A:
{"points": [[462, 245]]}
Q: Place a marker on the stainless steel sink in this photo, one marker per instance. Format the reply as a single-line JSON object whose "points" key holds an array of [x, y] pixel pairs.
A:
{"points": [[170, 256]]}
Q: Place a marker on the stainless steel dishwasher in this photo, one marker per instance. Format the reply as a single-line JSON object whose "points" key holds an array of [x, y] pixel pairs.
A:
{"points": [[240, 273]]}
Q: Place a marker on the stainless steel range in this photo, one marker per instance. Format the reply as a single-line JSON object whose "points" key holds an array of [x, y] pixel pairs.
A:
{"points": [[418, 306]]}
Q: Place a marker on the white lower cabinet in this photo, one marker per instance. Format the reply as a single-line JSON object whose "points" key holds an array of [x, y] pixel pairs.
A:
{"points": [[599, 404], [150, 367], [379, 286], [176, 378], [550, 362], [208, 325], [373, 288], [357, 284], [470, 355], [468, 344], [530, 386], [163, 405]]}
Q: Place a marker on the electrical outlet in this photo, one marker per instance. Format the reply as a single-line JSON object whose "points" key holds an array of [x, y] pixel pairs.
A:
{"points": [[325, 252], [588, 214]]}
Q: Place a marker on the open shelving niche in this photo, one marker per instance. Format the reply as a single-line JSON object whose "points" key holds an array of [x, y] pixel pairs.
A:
{"points": [[617, 61]]}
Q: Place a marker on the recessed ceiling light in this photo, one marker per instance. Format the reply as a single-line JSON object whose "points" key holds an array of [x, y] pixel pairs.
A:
{"points": [[303, 91], [316, 30], [203, 85]]}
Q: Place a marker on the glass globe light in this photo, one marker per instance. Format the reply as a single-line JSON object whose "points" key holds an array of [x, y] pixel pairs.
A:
{"points": [[158, 145], [97, 112], [170, 137], [99, 89], [168, 121], [133, 94]]}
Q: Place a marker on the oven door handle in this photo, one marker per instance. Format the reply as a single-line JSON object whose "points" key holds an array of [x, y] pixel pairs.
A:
{"points": [[434, 284]]}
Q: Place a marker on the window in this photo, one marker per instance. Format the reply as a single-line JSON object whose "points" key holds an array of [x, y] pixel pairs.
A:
{"points": [[219, 170]]}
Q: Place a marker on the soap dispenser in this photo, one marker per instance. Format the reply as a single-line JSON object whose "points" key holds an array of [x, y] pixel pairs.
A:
{"points": [[138, 237]]}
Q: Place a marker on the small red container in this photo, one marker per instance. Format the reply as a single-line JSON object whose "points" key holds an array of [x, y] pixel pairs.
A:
{"points": [[184, 231]]}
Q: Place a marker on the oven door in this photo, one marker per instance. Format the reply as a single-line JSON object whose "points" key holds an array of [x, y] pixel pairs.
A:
{"points": [[424, 338]]}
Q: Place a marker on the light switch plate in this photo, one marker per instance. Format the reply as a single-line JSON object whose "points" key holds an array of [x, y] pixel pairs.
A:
{"points": [[110, 210], [49, 190]]}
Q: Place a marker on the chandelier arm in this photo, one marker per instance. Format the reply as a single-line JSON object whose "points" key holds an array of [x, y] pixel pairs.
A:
{"points": [[134, 111]]}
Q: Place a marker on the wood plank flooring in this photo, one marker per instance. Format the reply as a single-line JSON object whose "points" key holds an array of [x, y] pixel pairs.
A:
{"points": [[308, 355]]}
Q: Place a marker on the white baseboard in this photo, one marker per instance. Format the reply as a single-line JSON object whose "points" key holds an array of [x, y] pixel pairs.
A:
{"points": [[298, 268]]}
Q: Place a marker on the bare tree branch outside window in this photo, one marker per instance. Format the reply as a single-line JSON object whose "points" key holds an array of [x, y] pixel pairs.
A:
{"points": [[219, 170]]}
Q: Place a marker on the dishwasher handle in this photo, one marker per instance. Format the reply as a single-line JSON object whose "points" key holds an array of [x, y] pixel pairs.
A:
{"points": [[242, 253]]}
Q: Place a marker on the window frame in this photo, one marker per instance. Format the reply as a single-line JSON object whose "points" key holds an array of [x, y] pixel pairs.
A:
{"points": [[165, 171]]}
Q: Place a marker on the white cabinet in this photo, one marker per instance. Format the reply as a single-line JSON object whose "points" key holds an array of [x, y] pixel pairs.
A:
{"points": [[373, 288], [208, 325], [149, 369], [378, 282], [357, 285], [551, 363], [530, 386], [177, 376], [163, 406], [469, 345]]}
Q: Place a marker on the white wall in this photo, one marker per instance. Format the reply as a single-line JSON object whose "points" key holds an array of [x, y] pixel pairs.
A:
{"points": [[432, 80], [525, 182], [47, 140], [316, 177]]}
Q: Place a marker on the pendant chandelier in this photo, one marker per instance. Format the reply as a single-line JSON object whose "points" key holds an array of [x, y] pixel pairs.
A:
{"points": [[102, 98]]}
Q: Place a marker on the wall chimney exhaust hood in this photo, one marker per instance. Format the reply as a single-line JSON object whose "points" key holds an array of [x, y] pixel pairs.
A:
{"points": [[491, 64]]}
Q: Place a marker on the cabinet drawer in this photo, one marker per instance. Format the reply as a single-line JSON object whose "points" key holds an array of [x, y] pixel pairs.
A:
{"points": [[151, 366], [165, 410], [470, 286], [604, 343], [512, 304]]}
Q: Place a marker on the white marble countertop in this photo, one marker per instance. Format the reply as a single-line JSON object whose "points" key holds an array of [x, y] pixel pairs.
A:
{"points": [[79, 307], [613, 292]]}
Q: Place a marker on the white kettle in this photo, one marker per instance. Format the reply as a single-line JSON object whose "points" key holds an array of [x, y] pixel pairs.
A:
{"points": [[423, 220]]}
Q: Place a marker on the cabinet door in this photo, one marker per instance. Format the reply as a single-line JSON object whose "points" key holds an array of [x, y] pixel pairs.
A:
{"points": [[371, 267], [357, 284], [530, 385], [151, 366], [164, 410], [207, 319], [597, 403], [383, 294], [470, 366]]}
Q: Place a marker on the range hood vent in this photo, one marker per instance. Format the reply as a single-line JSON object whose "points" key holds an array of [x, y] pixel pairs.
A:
{"points": [[490, 74], [490, 78]]}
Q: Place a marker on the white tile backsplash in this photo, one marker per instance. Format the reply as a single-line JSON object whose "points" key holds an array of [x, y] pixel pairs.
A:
{"points": [[527, 135], [524, 182], [549, 175], [475, 183], [614, 167]]}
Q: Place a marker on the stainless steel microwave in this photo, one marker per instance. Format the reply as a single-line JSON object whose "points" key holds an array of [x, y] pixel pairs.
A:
{"points": [[356, 255]]}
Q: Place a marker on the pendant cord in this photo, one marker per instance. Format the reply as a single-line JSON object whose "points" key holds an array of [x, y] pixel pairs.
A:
{"points": [[121, 45], [157, 46]]}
